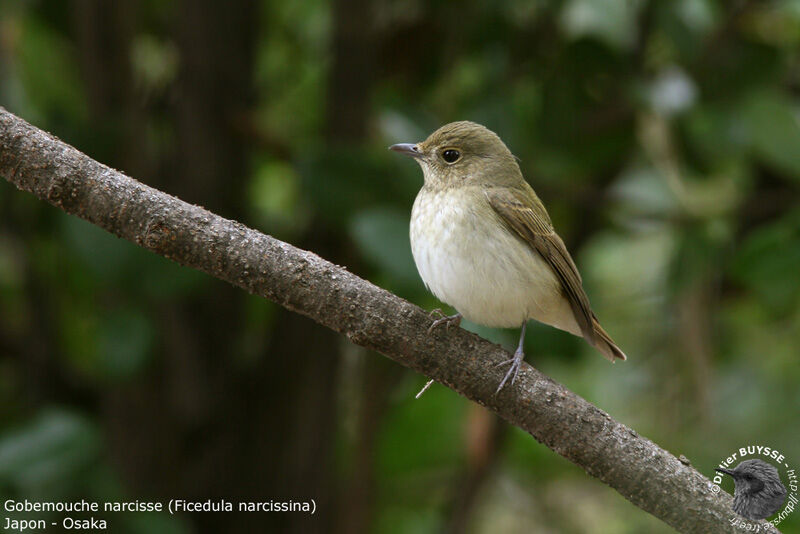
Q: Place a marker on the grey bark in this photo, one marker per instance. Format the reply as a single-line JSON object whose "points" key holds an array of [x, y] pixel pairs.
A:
{"points": [[641, 471]]}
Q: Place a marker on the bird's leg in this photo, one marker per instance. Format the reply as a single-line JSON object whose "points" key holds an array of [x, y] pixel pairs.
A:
{"points": [[515, 362], [448, 320]]}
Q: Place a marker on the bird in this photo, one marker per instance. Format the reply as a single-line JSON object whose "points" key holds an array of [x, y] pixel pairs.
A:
{"points": [[483, 243], [758, 492]]}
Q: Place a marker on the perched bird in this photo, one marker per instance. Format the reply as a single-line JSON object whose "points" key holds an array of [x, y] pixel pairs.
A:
{"points": [[759, 491], [484, 244]]}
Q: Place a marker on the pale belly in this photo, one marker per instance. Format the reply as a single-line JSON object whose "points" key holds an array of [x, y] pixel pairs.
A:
{"points": [[481, 269]]}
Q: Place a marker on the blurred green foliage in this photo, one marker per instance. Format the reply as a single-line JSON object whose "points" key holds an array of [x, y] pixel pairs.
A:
{"points": [[664, 137]]}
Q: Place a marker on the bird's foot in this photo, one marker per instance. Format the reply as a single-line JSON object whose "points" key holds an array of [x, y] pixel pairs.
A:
{"points": [[447, 320], [513, 371]]}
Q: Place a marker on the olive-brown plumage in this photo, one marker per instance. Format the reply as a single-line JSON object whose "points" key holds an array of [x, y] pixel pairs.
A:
{"points": [[483, 241]]}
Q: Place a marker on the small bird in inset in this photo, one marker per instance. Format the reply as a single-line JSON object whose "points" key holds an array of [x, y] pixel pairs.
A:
{"points": [[484, 244], [759, 492]]}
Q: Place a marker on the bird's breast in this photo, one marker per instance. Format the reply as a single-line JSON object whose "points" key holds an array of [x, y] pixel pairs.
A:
{"points": [[469, 259]]}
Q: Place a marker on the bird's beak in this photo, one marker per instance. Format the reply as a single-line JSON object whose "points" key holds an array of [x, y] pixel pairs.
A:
{"points": [[726, 471], [408, 149]]}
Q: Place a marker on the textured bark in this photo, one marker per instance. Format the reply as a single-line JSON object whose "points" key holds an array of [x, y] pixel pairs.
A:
{"points": [[648, 476]]}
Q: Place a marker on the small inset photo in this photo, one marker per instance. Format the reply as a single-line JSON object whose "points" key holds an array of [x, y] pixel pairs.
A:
{"points": [[764, 485]]}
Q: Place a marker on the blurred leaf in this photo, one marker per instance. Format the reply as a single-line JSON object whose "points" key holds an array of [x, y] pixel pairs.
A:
{"points": [[291, 65], [125, 343], [344, 180], [643, 191], [765, 343], [739, 69], [275, 196], [112, 261], [154, 62], [415, 477], [50, 449], [698, 253], [625, 275], [716, 134], [439, 418], [467, 82], [50, 73], [381, 235], [769, 262], [613, 21], [107, 256], [773, 130], [700, 15], [777, 23], [672, 91], [584, 125], [113, 345], [400, 129]]}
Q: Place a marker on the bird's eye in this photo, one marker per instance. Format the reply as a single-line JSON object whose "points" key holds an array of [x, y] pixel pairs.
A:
{"points": [[451, 155]]}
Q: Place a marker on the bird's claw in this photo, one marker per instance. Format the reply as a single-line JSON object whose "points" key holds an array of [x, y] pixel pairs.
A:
{"points": [[513, 371], [447, 320]]}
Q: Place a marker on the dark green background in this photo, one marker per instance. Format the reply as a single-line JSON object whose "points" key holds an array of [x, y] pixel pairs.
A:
{"points": [[662, 135]]}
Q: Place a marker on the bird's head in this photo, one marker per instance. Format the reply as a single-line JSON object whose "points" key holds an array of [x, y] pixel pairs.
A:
{"points": [[463, 152], [750, 476]]}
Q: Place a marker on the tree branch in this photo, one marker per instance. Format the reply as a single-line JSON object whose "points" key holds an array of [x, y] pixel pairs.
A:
{"points": [[648, 476]]}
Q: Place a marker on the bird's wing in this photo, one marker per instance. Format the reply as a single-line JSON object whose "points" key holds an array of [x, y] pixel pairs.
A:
{"points": [[525, 215]]}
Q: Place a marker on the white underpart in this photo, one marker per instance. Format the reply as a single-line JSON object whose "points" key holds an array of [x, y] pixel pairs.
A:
{"points": [[465, 261]]}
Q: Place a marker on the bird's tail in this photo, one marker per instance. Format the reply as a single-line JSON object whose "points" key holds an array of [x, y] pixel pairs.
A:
{"points": [[604, 343]]}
